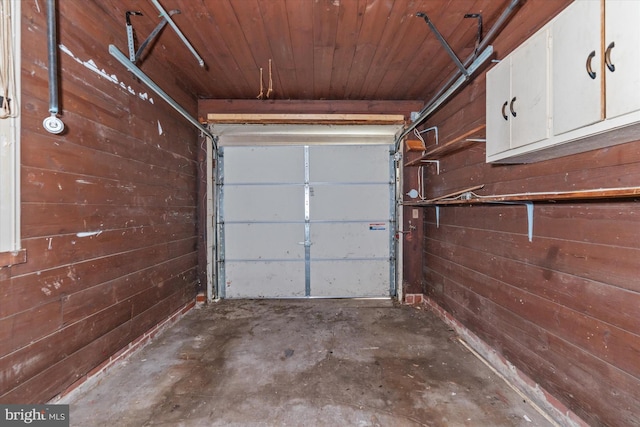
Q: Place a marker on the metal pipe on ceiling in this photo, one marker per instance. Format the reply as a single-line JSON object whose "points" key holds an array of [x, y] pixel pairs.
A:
{"points": [[52, 124], [115, 52], [448, 88]]}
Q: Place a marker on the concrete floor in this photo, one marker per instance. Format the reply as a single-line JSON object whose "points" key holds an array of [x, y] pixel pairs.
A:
{"points": [[303, 363]]}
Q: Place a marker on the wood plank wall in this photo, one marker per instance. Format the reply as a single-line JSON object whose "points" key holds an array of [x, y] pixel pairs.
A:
{"points": [[108, 208], [564, 307]]}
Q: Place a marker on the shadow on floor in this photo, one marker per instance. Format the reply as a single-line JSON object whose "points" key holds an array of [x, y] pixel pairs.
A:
{"points": [[303, 363]]}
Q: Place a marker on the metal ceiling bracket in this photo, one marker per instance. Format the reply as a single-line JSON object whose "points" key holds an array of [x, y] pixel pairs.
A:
{"points": [[166, 16], [478, 16], [430, 108], [134, 55], [130, 40], [456, 80], [444, 43]]}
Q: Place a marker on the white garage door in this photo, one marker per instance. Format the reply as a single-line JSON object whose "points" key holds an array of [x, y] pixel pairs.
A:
{"points": [[306, 221]]}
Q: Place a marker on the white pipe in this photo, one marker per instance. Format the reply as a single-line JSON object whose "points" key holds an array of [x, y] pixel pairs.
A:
{"points": [[115, 52], [52, 124], [166, 16]]}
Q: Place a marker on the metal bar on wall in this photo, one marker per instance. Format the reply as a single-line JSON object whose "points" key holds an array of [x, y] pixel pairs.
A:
{"points": [[393, 223], [115, 52], [457, 79], [221, 279], [307, 225]]}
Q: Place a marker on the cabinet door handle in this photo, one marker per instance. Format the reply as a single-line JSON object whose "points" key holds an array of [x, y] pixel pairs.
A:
{"points": [[607, 57], [504, 114], [590, 71], [513, 113]]}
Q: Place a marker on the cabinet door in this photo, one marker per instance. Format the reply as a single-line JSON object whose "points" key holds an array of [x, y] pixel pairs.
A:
{"points": [[529, 101], [577, 96], [622, 28], [498, 85]]}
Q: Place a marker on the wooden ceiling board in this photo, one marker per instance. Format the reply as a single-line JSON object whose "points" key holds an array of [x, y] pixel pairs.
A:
{"points": [[300, 19], [320, 49], [418, 58], [431, 71], [375, 13], [391, 41], [325, 24], [350, 21], [224, 21], [259, 49]]}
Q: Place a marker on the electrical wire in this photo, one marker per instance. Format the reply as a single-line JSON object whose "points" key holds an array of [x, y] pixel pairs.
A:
{"points": [[7, 64], [261, 94], [270, 89], [420, 168]]}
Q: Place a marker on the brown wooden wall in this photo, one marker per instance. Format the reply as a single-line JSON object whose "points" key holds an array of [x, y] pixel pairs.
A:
{"points": [[108, 208], [564, 307]]}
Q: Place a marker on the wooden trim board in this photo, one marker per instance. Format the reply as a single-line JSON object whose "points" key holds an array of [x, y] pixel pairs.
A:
{"points": [[306, 118]]}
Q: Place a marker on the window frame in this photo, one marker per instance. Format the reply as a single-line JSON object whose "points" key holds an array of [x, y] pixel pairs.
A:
{"points": [[11, 251]]}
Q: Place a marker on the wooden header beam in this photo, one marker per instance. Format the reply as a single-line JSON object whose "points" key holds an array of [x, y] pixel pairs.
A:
{"points": [[343, 119]]}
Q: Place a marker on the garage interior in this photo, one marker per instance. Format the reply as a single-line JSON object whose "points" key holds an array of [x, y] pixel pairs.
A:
{"points": [[360, 188]]}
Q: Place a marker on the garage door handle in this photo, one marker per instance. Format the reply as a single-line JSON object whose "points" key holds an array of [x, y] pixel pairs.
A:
{"points": [[305, 243]]}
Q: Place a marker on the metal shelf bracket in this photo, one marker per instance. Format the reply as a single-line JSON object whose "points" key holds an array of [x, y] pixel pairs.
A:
{"points": [[529, 206], [437, 162]]}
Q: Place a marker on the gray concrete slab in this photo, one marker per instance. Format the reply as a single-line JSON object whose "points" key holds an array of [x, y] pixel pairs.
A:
{"points": [[303, 363]]}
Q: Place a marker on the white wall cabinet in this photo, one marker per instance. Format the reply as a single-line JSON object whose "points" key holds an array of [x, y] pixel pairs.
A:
{"points": [[576, 67], [622, 48], [517, 96], [591, 66]]}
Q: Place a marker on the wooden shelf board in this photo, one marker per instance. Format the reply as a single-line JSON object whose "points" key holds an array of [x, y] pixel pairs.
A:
{"points": [[596, 194]]}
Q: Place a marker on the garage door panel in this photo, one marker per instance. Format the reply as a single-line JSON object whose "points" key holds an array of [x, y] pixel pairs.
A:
{"points": [[350, 163], [253, 203], [264, 164], [265, 279], [265, 229], [257, 241], [351, 278], [349, 240], [350, 202]]}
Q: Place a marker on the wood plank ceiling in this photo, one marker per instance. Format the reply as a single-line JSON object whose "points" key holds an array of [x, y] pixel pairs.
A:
{"points": [[319, 49]]}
